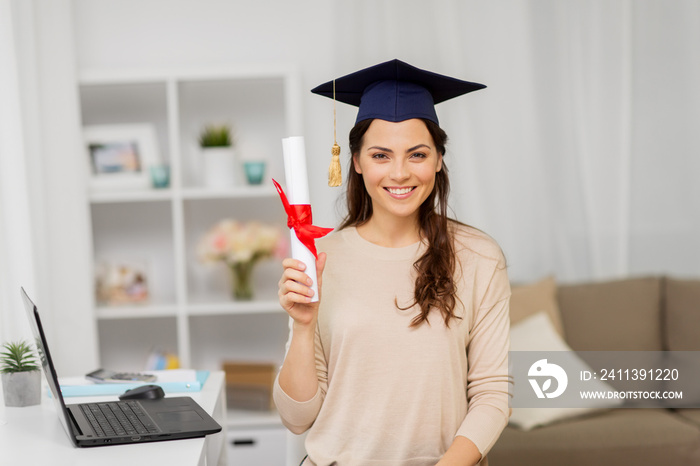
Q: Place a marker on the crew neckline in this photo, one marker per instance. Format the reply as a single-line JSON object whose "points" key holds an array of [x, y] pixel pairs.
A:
{"points": [[412, 251]]}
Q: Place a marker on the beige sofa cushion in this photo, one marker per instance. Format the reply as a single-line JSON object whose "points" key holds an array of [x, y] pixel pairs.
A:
{"points": [[682, 315], [618, 315], [614, 438], [528, 300], [536, 333]]}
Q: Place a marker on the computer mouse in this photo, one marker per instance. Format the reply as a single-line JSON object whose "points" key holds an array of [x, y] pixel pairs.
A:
{"points": [[144, 392]]}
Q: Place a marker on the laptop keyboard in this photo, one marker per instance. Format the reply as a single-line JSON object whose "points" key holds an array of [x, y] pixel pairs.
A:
{"points": [[118, 418]]}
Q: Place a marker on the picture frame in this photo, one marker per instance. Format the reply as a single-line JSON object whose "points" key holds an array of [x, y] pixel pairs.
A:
{"points": [[119, 156]]}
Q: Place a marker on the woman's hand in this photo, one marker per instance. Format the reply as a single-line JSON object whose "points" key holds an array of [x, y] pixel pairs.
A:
{"points": [[298, 377], [462, 452], [295, 291]]}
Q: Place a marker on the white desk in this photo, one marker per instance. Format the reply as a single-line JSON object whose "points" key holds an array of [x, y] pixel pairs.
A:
{"points": [[33, 435]]}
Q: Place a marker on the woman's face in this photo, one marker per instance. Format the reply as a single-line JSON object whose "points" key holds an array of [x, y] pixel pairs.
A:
{"points": [[398, 162]]}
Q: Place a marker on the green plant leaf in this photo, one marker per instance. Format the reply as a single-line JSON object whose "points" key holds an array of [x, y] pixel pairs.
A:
{"points": [[17, 357], [216, 136]]}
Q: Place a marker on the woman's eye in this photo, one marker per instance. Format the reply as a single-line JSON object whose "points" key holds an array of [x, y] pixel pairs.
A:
{"points": [[419, 155], [379, 155]]}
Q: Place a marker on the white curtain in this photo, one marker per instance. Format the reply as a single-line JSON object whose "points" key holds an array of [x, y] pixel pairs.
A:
{"points": [[16, 251], [665, 212], [42, 245], [581, 156]]}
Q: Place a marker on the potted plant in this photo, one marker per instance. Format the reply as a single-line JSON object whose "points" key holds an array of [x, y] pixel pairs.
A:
{"points": [[21, 378], [216, 143]]}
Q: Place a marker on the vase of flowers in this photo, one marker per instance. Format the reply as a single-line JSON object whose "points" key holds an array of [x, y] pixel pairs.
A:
{"points": [[240, 246], [21, 378]]}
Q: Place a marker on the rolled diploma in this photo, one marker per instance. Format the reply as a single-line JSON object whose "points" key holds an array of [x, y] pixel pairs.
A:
{"points": [[298, 193]]}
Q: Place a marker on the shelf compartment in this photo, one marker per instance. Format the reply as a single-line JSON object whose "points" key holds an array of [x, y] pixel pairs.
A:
{"points": [[254, 107], [126, 347], [249, 338], [128, 103], [214, 280], [139, 234]]}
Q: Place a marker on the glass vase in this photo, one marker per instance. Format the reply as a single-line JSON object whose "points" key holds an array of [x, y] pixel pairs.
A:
{"points": [[242, 280]]}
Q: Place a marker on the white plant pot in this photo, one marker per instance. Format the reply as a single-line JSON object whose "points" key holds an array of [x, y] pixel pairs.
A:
{"points": [[21, 388], [219, 167]]}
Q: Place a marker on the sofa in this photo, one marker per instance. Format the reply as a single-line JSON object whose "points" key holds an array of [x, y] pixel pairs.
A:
{"points": [[634, 314]]}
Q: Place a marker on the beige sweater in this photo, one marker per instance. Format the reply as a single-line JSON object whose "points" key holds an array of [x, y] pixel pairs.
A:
{"points": [[394, 395]]}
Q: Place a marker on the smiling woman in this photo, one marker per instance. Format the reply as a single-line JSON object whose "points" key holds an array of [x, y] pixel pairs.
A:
{"points": [[414, 306]]}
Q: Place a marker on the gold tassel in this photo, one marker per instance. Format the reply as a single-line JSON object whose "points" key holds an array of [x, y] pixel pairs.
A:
{"points": [[335, 177]]}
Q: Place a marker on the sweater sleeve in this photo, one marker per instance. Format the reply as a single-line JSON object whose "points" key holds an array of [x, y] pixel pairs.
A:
{"points": [[488, 381], [298, 416]]}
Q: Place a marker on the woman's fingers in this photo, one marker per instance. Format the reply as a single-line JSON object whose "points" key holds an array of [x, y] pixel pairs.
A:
{"points": [[294, 286], [295, 291]]}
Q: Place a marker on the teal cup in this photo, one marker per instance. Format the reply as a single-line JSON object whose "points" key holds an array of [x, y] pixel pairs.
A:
{"points": [[160, 176], [254, 171]]}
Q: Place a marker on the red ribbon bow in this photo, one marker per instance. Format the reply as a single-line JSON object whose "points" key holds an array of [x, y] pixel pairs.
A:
{"points": [[299, 219]]}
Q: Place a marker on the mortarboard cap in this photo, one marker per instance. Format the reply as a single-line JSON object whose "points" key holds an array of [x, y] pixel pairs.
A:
{"points": [[395, 91]]}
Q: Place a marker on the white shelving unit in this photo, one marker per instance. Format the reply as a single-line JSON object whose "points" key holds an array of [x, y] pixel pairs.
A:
{"points": [[190, 311]]}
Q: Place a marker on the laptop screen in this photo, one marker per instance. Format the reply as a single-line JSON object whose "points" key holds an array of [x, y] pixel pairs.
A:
{"points": [[47, 363]]}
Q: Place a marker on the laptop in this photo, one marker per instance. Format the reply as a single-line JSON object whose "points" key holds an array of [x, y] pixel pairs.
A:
{"points": [[119, 422]]}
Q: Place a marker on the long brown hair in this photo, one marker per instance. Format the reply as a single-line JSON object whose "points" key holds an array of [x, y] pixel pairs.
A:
{"points": [[435, 287]]}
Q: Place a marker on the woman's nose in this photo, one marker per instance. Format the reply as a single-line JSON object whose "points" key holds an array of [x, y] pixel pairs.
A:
{"points": [[399, 170]]}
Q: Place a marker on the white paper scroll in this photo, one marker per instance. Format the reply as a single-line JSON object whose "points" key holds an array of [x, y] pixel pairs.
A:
{"points": [[298, 193]]}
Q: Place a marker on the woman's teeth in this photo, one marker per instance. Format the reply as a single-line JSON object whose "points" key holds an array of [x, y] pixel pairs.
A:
{"points": [[400, 190]]}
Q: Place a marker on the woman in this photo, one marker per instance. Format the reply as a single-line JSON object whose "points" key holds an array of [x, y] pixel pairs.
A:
{"points": [[403, 360]]}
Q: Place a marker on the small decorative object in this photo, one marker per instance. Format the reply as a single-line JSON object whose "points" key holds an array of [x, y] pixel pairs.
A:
{"points": [[217, 144], [21, 378], [160, 176], [254, 171], [121, 283], [240, 246], [119, 154]]}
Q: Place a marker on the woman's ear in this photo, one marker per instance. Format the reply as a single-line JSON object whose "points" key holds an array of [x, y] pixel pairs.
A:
{"points": [[439, 163], [356, 164]]}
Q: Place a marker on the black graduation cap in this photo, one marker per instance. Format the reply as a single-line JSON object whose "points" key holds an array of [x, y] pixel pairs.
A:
{"points": [[395, 91]]}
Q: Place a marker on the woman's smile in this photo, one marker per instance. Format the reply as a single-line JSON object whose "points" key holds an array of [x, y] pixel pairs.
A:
{"points": [[400, 193]]}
